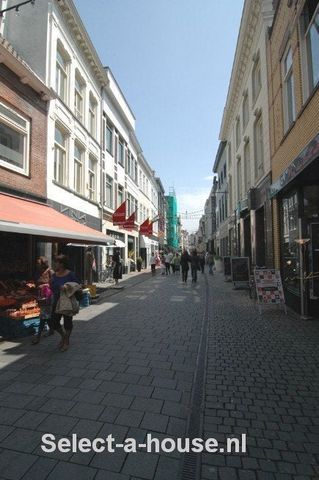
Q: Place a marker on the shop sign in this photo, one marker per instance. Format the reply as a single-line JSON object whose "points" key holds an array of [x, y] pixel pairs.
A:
{"points": [[269, 288], [302, 161]]}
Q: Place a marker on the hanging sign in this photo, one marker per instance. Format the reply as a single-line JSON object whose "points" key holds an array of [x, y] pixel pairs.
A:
{"points": [[144, 227]]}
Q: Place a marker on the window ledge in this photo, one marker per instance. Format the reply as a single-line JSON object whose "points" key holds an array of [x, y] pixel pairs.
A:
{"points": [[68, 189]]}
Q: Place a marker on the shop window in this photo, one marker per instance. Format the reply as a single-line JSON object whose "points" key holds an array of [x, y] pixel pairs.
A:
{"points": [[108, 195], [78, 168], [259, 147], [62, 72], [60, 156], [92, 178], [79, 96], [310, 45], [256, 77], [288, 89], [290, 253], [92, 115], [14, 140]]}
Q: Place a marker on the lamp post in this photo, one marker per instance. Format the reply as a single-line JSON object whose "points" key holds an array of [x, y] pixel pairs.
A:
{"points": [[302, 242], [16, 7]]}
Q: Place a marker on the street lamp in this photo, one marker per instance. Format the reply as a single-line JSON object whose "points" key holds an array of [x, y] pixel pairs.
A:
{"points": [[16, 7], [302, 242]]}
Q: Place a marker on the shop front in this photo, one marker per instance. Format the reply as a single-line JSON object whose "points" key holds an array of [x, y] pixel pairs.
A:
{"points": [[29, 229], [297, 194]]}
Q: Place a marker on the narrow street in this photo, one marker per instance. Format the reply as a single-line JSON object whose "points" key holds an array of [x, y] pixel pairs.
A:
{"points": [[141, 362]]}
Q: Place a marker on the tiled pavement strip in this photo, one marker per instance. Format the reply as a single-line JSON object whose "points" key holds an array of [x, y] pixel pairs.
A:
{"points": [[130, 370]]}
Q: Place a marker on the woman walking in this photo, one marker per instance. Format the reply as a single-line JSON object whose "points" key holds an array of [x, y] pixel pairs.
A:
{"points": [[117, 267], [61, 276], [195, 265], [185, 259]]}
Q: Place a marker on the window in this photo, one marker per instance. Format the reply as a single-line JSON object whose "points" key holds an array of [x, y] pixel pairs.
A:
{"points": [[61, 80], [109, 137], [120, 195], [78, 168], [247, 178], [60, 156], [92, 178], [256, 78], [92, 115], [288, 90], [121, 152], [108, 198], [79, 92], [310, 34], [237, 131], [14, 140], [245, 110], [239, 180], [259, 147], [289, 246]]}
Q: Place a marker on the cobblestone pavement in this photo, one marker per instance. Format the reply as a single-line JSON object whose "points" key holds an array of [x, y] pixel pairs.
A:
{"points": [[262, 379], [130, 372]]}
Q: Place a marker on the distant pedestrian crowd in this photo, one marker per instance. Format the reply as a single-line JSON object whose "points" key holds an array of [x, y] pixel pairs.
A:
{"points": [[175, 263]]}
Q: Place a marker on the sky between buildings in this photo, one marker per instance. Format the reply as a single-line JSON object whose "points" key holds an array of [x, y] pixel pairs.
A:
{"points": [[172, 60]]}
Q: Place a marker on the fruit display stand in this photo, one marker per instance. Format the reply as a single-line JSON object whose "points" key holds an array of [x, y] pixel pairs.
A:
{"points": [[19, 309]]}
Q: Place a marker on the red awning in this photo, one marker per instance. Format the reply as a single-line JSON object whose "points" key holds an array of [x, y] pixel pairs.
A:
{"points": [[18, 215]]}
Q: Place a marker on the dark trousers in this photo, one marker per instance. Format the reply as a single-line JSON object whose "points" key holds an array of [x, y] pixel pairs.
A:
{"points": [[67, 322], [153, 268], [42, 323], [168, 268], [184, 274], [194, 274]]}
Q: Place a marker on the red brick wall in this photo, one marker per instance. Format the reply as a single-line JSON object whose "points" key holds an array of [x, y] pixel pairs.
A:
{"points": [[28, 103]]}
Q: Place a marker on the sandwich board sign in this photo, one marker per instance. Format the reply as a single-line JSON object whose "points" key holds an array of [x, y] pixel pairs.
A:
{"points": [[269, 288], [240, 273]]}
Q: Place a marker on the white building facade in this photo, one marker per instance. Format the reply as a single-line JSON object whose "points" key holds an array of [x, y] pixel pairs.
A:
{"points": [[243, 166]]}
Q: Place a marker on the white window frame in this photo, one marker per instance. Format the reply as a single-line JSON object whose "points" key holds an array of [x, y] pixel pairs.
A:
{"points": [[10, 118], [288, 84], [79, 163], [256, 75], [92, 175], [109, 128], [110, 183], [79, 96], [259, 147], [307, 68], [62, 71], [93, 115], [239, 176], [62, 149]]}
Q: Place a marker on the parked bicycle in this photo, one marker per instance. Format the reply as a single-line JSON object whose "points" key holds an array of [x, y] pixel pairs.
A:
{"points": [[106, 275]]}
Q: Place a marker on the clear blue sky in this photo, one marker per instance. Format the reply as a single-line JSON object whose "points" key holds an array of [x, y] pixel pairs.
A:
{"points": [[172, 60]]}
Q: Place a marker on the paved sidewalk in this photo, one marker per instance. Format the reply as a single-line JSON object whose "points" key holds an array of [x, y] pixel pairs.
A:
{"points": [[262, 380], [128, 372]]}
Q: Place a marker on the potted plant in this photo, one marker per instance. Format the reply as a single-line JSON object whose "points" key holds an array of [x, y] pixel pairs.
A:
{"points": [[139, 262]]}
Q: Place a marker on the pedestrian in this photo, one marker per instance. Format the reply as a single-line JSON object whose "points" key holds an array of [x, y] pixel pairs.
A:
{"points": [[153, 261], [184, 262], [202, 262], [168, 260], [117, 267], [210, 263], [176, 262], [89, 266], [62, 275], [195, 265], [43, 280], [163, 267]]}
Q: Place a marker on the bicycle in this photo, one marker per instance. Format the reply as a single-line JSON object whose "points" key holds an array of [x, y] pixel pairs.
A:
{"points": [[105, 275]]}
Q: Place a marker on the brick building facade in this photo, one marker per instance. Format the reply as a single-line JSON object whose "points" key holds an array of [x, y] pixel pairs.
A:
{"points": [[294, 125]]}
